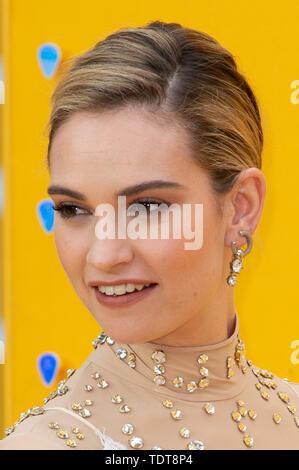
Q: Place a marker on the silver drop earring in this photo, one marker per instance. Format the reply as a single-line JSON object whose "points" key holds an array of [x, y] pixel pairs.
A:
{"points": [[238, 256]]}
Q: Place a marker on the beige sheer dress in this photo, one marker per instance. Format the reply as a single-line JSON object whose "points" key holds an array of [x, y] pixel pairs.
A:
{"points": [[148, 396]]}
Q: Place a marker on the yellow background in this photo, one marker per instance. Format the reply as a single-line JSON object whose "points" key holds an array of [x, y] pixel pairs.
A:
{"points": [[41, 311]]}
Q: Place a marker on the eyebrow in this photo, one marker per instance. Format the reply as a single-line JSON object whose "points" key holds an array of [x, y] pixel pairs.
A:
{"points": [[128, 191]]}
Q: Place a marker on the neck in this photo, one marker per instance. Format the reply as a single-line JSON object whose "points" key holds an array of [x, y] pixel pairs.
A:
{"points": [[214, 323], [221, 370]]}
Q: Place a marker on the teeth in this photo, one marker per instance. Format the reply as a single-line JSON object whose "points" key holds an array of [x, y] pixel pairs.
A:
{"points": [[121, 289]]}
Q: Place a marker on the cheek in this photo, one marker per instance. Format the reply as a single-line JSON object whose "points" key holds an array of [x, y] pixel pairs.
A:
{"points": [[70, 250], [191, 274]]}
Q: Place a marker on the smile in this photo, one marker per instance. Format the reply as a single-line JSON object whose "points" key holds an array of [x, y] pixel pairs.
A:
{"points": [[123, 294]]}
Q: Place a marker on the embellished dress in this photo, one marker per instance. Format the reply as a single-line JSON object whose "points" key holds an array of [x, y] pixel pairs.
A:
{"points": [[150, 396]]}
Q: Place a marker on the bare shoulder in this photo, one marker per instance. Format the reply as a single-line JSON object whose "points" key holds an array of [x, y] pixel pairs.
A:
{"points": [[28, 442], [294, 386]]}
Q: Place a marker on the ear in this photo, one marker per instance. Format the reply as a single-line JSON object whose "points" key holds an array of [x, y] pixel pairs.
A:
{"points": [[244, 205]]}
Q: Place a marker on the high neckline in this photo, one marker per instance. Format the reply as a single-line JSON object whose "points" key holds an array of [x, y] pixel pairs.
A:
{"points": [[225, 362]]}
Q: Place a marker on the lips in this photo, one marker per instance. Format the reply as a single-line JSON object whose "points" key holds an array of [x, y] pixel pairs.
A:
{"points": [[115, 301]]}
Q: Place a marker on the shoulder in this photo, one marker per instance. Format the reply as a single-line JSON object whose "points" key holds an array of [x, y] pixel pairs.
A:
{"points": [[53, 425], [294, 386]]}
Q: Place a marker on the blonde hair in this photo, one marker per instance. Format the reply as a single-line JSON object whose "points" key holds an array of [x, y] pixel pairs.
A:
{"points": [[179, 74]]}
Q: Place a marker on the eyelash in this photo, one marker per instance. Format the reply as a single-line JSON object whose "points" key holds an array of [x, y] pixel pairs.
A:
{"points": [[62, 208]]}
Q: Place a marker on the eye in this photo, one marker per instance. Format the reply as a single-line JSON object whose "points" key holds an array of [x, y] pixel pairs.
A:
{"points": [[68, 211], [147, 203]]}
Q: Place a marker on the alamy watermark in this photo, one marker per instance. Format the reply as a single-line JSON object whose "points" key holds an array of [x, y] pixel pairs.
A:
{"points": [[143, 222]]}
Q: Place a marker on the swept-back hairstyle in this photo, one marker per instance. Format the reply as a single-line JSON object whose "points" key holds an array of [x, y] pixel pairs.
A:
{"points": [[179, 74]]}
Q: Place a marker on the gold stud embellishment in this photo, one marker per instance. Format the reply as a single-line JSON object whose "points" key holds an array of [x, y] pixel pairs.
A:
{"points": [[229, 365], [242, 410], [242, 427], [283, 396], [54, 425], [167, 403], [265, 395], [62, 434], [236, 416], [292, 409], [209, 408], [252, 414], [276, 418], [71, 443], [203, 383], [125, 409], [248, 441], [176, 414], [76, 406]]}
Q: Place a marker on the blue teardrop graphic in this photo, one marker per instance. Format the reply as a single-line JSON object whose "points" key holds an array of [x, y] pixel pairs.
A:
{"points": [[47, 365], [48, 56], [45, 213]]}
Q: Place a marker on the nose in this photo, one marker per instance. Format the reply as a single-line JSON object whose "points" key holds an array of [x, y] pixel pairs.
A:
{"points": [[105, 254]]}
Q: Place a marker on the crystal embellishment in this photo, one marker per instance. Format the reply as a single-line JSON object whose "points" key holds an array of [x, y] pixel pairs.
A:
{"points": [[192, 386], [202, 359], [159, 356], [127, 429], [195, 445], [178, 382], [176, 414], [125, 409], [136, 442], [184, 432], [121, 353], [116, 399], [209, 408]]}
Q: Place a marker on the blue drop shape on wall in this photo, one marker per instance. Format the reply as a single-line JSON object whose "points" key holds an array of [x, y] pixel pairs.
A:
{"points": [[45, 213], [48, 364], [48, 56]]}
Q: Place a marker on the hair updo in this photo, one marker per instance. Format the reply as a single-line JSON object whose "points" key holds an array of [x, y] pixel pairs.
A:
{"points": [[179, 74]]}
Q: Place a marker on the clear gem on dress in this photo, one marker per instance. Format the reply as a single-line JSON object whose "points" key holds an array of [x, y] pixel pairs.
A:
{"points": [[159, 356], [136, 442], [127, 428], [176, 414], [192, 386], [159, 380], [116, 399], [185, 432], [178, 382], [125, 409], [121, 353], [195, 445], [209, 408], [102, 383]]}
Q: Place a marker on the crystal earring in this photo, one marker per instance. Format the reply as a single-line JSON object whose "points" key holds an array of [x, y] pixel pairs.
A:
{"points": [[238, 255]]}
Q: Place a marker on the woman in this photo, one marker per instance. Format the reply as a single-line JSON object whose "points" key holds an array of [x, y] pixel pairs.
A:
{"points": [[161, 115]]}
